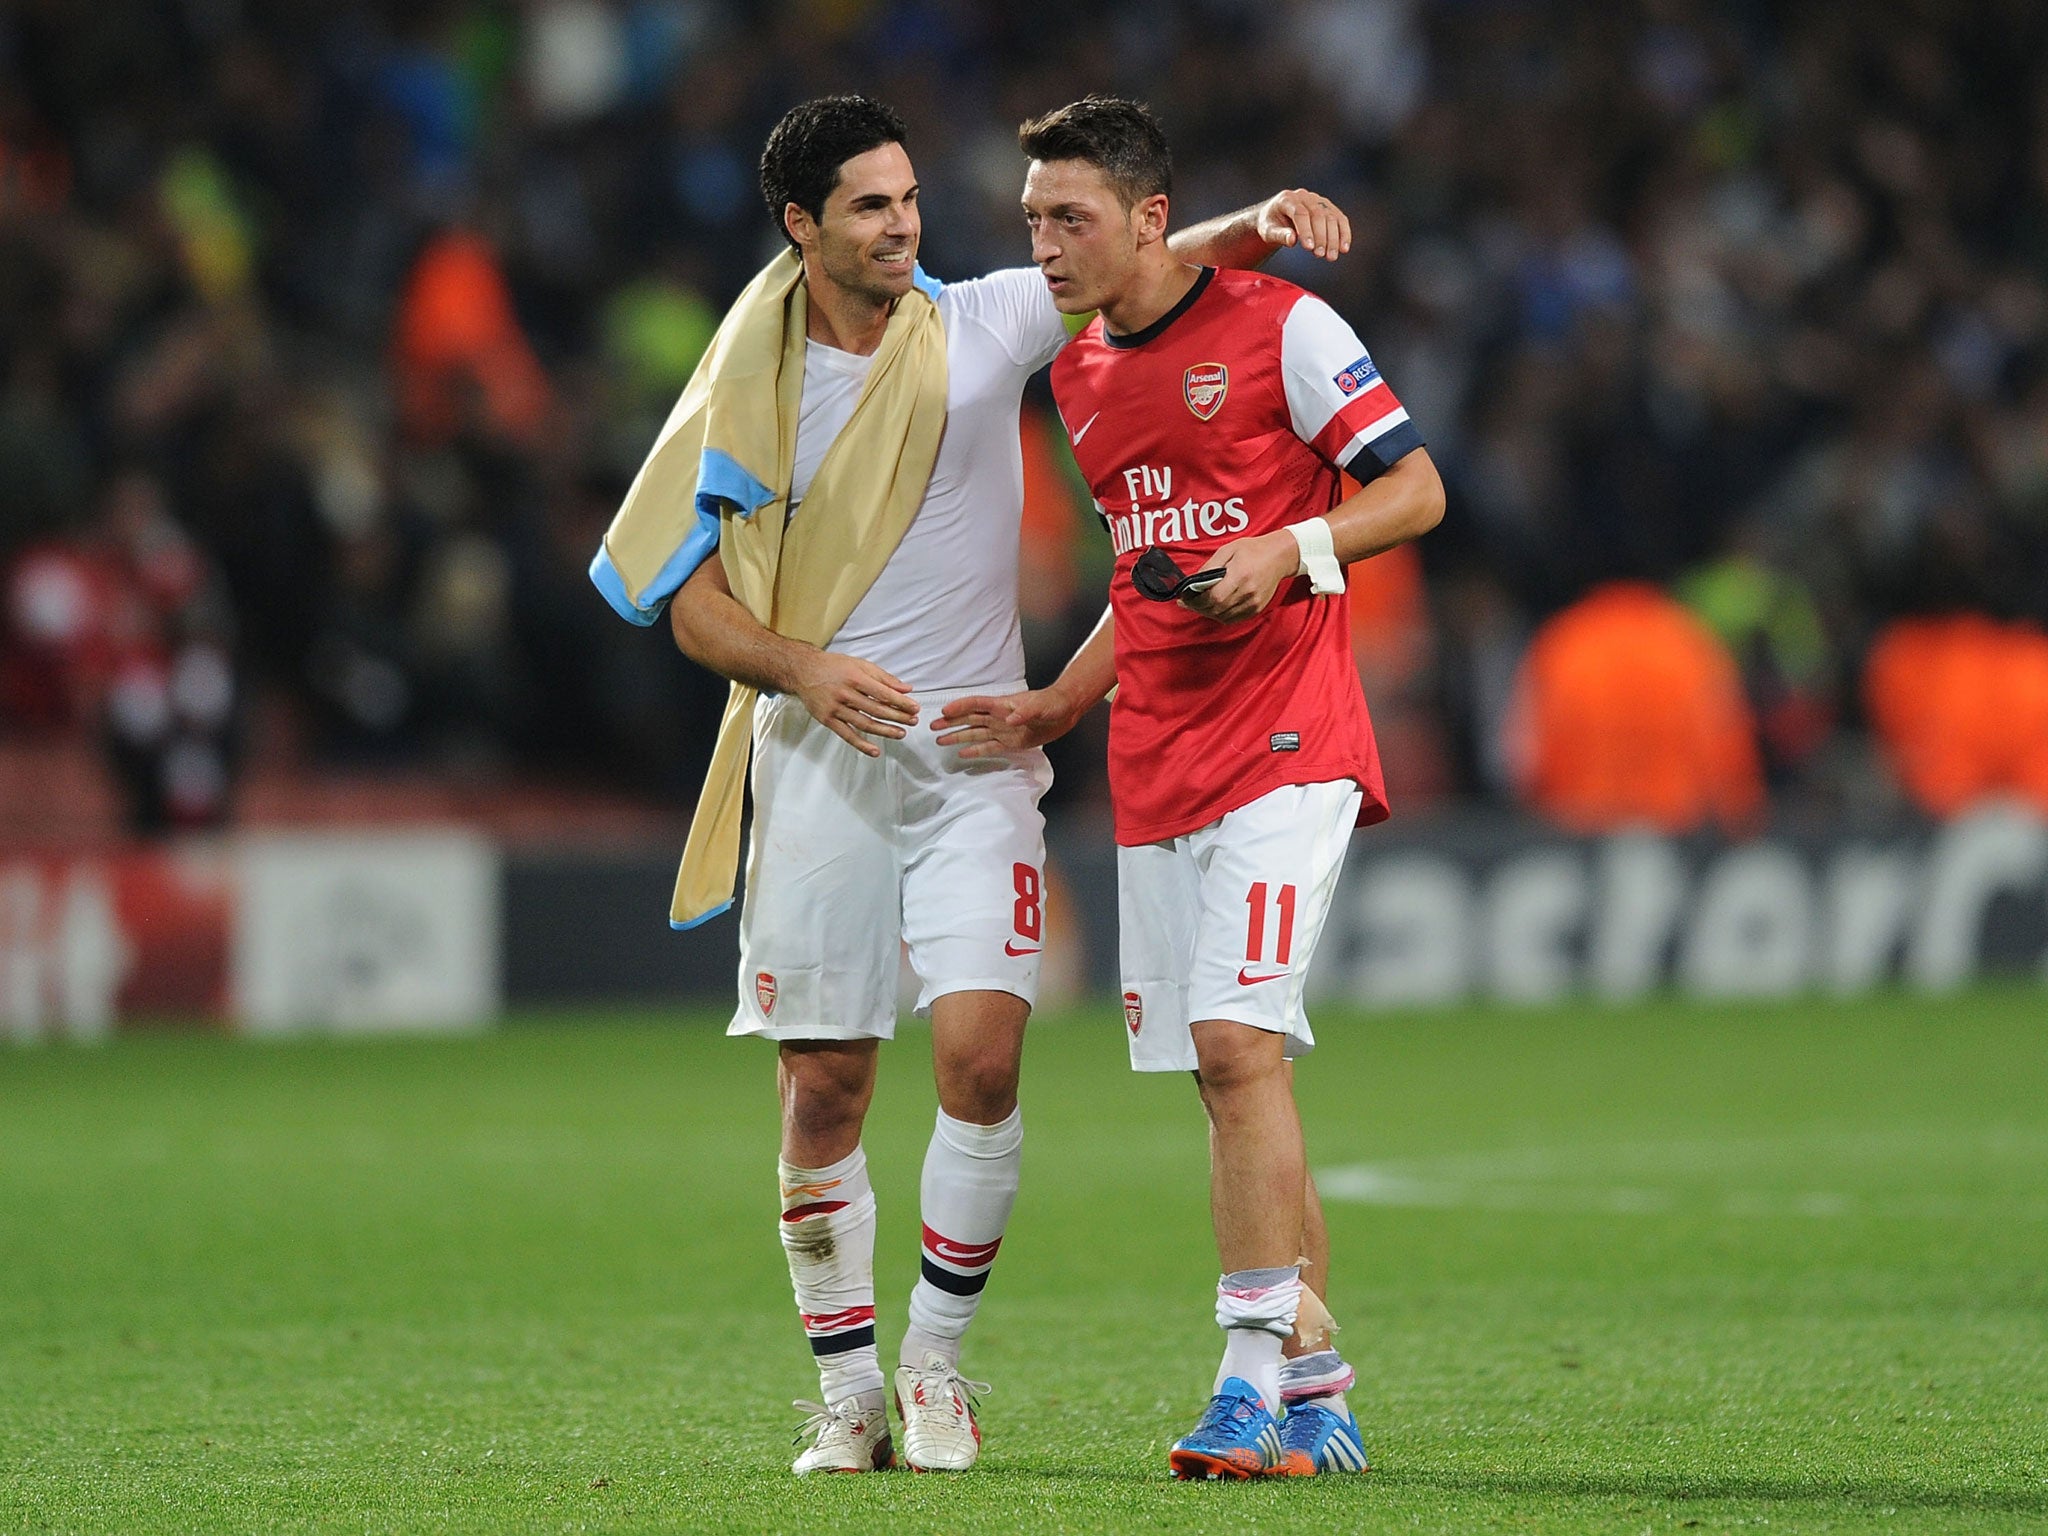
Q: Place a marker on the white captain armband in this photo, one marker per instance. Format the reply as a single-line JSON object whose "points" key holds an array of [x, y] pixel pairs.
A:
{"points": [[1318, 555]]}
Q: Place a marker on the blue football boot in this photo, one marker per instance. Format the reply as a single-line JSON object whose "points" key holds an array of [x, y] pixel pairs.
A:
{"points": [[1314, 1439], [1237, 1437]]}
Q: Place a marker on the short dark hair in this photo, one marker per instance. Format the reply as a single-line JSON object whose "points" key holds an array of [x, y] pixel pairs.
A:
{"points": [[802, 159], [1122, 138]]}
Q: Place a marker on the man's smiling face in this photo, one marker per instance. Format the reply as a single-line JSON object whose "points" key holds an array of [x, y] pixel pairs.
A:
{"points": [[866, 240]]}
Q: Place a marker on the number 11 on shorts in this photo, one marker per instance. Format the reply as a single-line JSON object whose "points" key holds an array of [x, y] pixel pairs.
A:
{"points": [[1255, 929]]}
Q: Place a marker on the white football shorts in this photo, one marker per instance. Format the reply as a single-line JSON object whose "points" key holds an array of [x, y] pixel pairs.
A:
{"points": [[1221, 923], [855, 859]]}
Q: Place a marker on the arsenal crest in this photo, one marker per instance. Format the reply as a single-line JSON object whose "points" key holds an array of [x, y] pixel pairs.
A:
{"points": [[764, 992], [1203, 387], [1134, 1011]]}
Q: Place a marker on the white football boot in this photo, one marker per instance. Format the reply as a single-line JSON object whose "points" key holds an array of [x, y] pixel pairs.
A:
{"points": [[849, 1439], [937, 1407]]}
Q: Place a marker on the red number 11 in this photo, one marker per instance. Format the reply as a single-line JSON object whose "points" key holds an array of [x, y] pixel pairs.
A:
{"points": [[1255, 932]]}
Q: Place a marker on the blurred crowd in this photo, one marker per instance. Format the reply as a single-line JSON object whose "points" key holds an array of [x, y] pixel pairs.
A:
{"points": [[330, 336]]}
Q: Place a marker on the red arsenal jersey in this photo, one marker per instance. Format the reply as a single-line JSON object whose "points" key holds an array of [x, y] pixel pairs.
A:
{"points": [[1227, 417]]}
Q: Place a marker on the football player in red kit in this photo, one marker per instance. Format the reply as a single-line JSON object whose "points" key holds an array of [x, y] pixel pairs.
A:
{"points": [[1213, 414]]}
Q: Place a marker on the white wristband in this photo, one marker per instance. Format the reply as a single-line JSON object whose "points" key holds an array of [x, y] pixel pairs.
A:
{"points": [[1318, 555]]}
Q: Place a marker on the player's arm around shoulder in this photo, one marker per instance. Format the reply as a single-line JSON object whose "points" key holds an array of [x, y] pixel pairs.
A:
{"points": [[1013, 306], [1248, 238], [852, 698]]}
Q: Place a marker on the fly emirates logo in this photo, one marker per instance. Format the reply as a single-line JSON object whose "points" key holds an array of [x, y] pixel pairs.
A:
{"points": [[1187, 522]]}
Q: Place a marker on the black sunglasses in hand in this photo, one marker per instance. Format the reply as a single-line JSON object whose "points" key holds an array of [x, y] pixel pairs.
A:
{"points": [[1157, 577]]}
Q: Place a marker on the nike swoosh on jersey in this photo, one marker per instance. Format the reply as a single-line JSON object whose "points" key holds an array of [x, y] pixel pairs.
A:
{"points": [[1246, 979], [1084, 428], [1010, 948]]}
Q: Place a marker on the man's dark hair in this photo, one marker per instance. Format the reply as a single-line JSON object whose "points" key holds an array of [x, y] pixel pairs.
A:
{"points": [[1120, 137], [801, 163]]}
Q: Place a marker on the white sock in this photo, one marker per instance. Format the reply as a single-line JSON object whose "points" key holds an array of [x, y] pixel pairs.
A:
{"points": [[969, 1185], [828, 1234], [1255, 1309], [1253, 1354]]}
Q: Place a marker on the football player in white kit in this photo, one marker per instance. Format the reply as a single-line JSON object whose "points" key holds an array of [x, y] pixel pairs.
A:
{"points": [[867, 834]]}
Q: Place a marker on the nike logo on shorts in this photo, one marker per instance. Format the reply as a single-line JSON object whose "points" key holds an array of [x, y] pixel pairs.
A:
{"points": [[1010, 948], [1245, 978], [1084, 428]]}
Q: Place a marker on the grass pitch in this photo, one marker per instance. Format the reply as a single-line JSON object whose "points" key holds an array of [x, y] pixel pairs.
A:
{"points": [[1646, 1269]]}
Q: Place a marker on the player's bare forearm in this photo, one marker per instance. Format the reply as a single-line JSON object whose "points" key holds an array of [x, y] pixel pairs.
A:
{"points": [[1228, 240], [1248, 237], [852, 698], [987, 725], [714, 629], [1403, 502], [1089, 675]]}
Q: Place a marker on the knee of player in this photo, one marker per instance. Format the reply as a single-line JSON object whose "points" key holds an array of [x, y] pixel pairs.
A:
{"points": [[823, 1116], [1231, 1057], [821, 1095], [981, 1090]]}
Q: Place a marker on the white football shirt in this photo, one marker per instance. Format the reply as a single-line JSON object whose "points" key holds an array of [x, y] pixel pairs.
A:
{"points": [[943, 614]]}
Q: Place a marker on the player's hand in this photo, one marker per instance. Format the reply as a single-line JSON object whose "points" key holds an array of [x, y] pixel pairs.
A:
{"points": [[1252, 572], [988, 725], [855, 699], [1307, 219]]}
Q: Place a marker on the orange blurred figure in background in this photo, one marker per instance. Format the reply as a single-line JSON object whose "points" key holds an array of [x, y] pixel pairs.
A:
{"points": [[458, 340], [1959, 705], [1629, 712]]}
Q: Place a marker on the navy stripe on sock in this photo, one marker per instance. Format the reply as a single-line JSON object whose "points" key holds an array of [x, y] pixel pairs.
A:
{"points": [[946, 1280], [840, 1343]]}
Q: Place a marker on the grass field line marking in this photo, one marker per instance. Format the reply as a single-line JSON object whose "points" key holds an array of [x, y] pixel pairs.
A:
{"points": [[1856, 1150], [1569, 1180]]}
